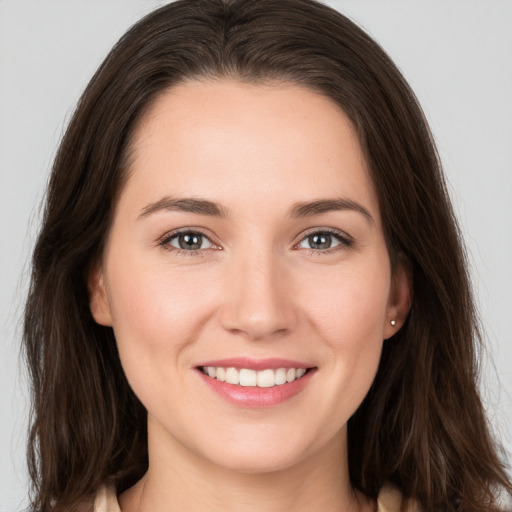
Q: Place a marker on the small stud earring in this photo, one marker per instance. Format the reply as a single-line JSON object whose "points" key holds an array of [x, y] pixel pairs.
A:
{"points": [[393, 323]]}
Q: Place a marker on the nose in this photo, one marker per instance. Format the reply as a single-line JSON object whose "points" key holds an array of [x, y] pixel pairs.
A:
{"points": [[258, 298]]}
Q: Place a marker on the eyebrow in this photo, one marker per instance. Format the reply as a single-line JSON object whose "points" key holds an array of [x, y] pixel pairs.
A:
{"points": [[205, 207], [329, 205], [190, 205]]}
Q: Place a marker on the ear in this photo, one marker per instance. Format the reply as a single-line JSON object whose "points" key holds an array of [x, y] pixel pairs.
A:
{"points": [[98, 298], [400, 298]]}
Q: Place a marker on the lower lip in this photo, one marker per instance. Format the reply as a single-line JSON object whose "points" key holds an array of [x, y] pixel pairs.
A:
{"points": [[252, 396]]}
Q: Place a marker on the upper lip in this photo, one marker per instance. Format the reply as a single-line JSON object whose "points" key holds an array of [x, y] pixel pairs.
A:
{"points": [[254, 364]]}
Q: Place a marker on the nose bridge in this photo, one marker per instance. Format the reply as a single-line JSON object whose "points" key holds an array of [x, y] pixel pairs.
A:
{"points": [[257, 301]]}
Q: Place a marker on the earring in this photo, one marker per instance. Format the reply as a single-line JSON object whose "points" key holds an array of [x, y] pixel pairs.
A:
{"points": [[393, 323]]}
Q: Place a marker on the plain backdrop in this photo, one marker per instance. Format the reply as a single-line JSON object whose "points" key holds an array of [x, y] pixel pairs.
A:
{"points": [[457, 55]]}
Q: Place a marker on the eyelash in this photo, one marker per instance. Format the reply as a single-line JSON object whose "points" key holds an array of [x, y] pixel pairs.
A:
{"points": [[345, 242], [166, 239]]}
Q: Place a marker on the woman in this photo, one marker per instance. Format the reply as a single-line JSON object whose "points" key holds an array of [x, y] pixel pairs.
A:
{"points": [[249, 290]]}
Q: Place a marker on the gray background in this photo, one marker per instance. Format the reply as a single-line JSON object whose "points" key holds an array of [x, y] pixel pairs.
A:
{"points": [[457, 55]]}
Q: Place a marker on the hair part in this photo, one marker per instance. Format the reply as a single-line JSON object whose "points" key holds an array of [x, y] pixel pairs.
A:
{"points": [[422, 425]]}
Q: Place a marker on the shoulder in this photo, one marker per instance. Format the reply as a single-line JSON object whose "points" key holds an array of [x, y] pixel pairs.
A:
{"points": [[391, 500]]}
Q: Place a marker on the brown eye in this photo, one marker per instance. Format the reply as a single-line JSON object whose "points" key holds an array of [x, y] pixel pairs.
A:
{"points": [[189, 241], [320, 241]]}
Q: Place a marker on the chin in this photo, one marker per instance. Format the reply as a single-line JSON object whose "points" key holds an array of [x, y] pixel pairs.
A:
{"points": [[261, 452], [261, 462]]}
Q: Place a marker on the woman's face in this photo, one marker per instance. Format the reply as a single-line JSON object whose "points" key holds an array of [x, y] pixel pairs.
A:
{"points": [[247, 243]]}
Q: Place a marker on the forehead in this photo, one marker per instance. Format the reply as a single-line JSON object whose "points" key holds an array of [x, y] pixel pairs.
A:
{"points": [[223, 138]]}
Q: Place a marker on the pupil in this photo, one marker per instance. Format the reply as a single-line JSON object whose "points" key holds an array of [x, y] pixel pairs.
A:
{"points": [[190, 241], [320, 241]]}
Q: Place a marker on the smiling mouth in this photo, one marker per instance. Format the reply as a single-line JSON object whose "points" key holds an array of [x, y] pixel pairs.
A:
{"points": [[246, 377]]}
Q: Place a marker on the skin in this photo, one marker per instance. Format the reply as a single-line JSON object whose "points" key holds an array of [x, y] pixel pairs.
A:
{"points": [[256, 288]]}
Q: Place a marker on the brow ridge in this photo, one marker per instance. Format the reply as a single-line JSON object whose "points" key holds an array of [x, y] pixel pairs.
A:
{"points": [[190, 205], [206, 207], [306, 209]]}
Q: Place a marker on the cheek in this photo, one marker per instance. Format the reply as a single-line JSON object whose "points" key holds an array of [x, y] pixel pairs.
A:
{"points": [[156, 312], [349, 314], [352, 305]]}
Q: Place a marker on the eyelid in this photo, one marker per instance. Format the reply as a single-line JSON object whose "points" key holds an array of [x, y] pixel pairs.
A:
{"points": [[163, 241], [344, 239]]}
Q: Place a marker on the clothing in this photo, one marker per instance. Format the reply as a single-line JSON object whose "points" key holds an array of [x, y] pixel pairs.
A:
{"points": [[389, 500]]}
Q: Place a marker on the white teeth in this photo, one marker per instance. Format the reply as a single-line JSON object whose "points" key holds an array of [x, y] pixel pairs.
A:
{"points": [[221, 373], [280, 376], [246, 377], [232, 376], [266, 379]]}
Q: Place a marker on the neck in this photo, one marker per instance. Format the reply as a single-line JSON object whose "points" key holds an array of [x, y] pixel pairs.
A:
{"points": [[180, 480]]}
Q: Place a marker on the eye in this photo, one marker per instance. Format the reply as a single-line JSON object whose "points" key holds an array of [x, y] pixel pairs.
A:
{"points": [[189, 241], [323, 241]]}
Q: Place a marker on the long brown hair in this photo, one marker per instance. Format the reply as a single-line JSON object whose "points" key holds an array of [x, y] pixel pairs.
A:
{"points": [[422, 425]]}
